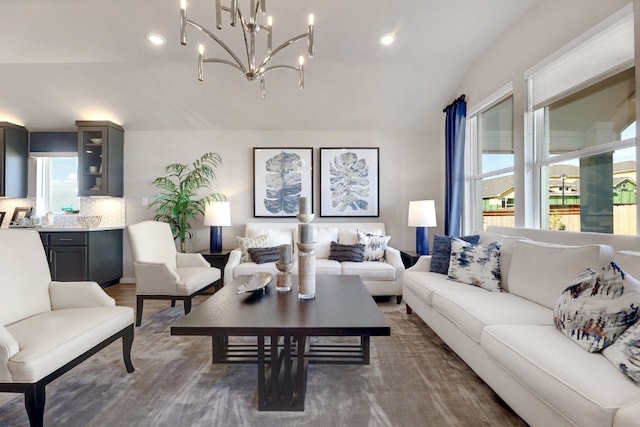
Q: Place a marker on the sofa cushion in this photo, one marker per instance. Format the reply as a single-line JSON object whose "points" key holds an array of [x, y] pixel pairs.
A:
{"points": [[426, 284], [245, 243], [477, 265], [541, 271], [353, 253], [472, 311], [598, 307], [262, 255], [370, 270], [629, 262], [276, 236], [374, 245], [506, 251], [323, 237], [624, 353], [582, 387], [327, 267], [193, 279], [442, 251], [50, 340]]}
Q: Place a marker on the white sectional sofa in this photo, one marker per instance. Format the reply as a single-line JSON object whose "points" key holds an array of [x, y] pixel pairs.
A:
{"points": [[382, 278], [509, 338]]}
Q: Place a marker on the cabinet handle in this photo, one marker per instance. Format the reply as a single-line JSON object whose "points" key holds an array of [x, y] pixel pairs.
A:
{"points": [[65, 240]]}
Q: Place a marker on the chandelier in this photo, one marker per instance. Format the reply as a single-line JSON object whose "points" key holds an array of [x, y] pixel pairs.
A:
{"points": [[252, 69]]}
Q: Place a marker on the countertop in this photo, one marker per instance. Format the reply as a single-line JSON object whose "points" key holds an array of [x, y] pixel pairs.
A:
{"points": [[70, 229]]}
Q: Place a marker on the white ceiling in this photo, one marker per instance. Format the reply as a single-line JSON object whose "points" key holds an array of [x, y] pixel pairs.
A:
{"points": [[68, 60]]}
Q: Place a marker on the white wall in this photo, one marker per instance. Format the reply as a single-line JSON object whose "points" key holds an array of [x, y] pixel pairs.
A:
{"points": [[547, 27], [411, 167]]}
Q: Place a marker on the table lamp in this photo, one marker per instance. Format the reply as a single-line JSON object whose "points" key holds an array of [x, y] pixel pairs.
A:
{"points": [[217, 215], [422, 214]]}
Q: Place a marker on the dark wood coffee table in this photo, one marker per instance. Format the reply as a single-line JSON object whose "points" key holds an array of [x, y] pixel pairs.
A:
{"points": [[283, 326]]}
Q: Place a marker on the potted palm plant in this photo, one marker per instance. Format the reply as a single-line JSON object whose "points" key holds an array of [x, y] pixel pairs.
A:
{"points": [[178, 201]]}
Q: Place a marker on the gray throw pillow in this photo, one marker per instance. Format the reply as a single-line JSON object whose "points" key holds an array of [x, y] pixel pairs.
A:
{"points": [[442, 251], [262, 255], [353, 253]]}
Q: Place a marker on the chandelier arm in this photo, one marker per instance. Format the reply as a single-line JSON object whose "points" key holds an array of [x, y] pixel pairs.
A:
{"points": [[220, 42], [223, 61], [282, 46], [276, 67], [246, 43]]}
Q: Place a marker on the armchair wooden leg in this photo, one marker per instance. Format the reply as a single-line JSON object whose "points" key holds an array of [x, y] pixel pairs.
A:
{"points": [[139, 304], [34, 400], [127, 342], [187, 305], [173, 302], [409, 309], [398, 299]]}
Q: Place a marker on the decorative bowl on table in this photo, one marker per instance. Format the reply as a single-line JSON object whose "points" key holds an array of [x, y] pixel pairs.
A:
{"points": [[96, 140], [89, 221]]}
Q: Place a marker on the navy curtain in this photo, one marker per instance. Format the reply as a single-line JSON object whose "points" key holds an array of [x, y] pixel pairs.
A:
{"points": [[456, 116]]}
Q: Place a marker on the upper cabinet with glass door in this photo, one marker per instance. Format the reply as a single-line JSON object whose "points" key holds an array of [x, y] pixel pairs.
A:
{"points": [[100, 158]]}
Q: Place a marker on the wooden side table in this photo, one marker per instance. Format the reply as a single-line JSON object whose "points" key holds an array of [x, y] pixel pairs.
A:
{"points": [[218, 260], [409, 258]]}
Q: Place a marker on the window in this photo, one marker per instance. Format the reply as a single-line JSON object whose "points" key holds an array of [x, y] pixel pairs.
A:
{"points": [[581, 116], [587, 158], [490, 165], [57, 184]]}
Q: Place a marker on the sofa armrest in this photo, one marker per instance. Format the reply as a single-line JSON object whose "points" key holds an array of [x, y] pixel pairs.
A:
{"points": [[233, 261], [423, 264], [392, 256], [191, 260], [627, 416], [78, 295], [155, 278], [8, 348]]}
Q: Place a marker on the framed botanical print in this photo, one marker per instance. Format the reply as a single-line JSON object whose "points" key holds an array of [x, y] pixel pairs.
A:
{"points": [[349, 182], [280, 177]]}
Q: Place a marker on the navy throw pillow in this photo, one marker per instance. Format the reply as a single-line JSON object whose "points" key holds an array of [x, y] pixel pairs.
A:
{"points": [[442, 251], [353, 253], [262, 255]]}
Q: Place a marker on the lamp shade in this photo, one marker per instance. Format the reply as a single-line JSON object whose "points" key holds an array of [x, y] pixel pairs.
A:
{"points": [[422, 213], [217, 214]]}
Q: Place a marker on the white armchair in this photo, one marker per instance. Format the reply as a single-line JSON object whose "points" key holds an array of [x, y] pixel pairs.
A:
{"points": [[47, 328], [161, 271]]}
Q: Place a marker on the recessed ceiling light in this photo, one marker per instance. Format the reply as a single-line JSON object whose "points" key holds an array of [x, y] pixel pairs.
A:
{"points": [[388, 39], [156, 38]]}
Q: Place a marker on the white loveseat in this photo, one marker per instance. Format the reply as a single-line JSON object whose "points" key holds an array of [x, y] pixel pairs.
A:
{"points": [[47, 328], [509, 338], [382, 278]]}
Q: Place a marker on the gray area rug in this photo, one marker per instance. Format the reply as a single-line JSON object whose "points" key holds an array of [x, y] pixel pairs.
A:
{"points": [[413, 380]]}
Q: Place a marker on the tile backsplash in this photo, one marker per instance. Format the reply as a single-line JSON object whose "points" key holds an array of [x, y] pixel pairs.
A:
{"points": [[112, 210]]}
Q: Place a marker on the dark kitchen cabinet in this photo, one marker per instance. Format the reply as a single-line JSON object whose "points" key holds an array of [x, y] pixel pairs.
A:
{"points": [[100, 159], [14, 154], [84, 255]]}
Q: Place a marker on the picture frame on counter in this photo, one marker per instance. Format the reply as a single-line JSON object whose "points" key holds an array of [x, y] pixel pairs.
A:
{"points": [[281, 176], [20, 213]]}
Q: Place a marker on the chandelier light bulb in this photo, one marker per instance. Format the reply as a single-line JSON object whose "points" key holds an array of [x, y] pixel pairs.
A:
{"points": [[201, 49], [311, 19], [270, 21], [183, 4], [301, 60]]}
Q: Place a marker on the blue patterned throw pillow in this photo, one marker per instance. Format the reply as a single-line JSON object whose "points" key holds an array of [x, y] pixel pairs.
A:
{"points": [[442, 251], [477, 265], [374, 245], [597, 307]]}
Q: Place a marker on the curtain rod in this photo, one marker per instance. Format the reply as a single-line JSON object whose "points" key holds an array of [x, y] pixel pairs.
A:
{"points": [[460, 99]]}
